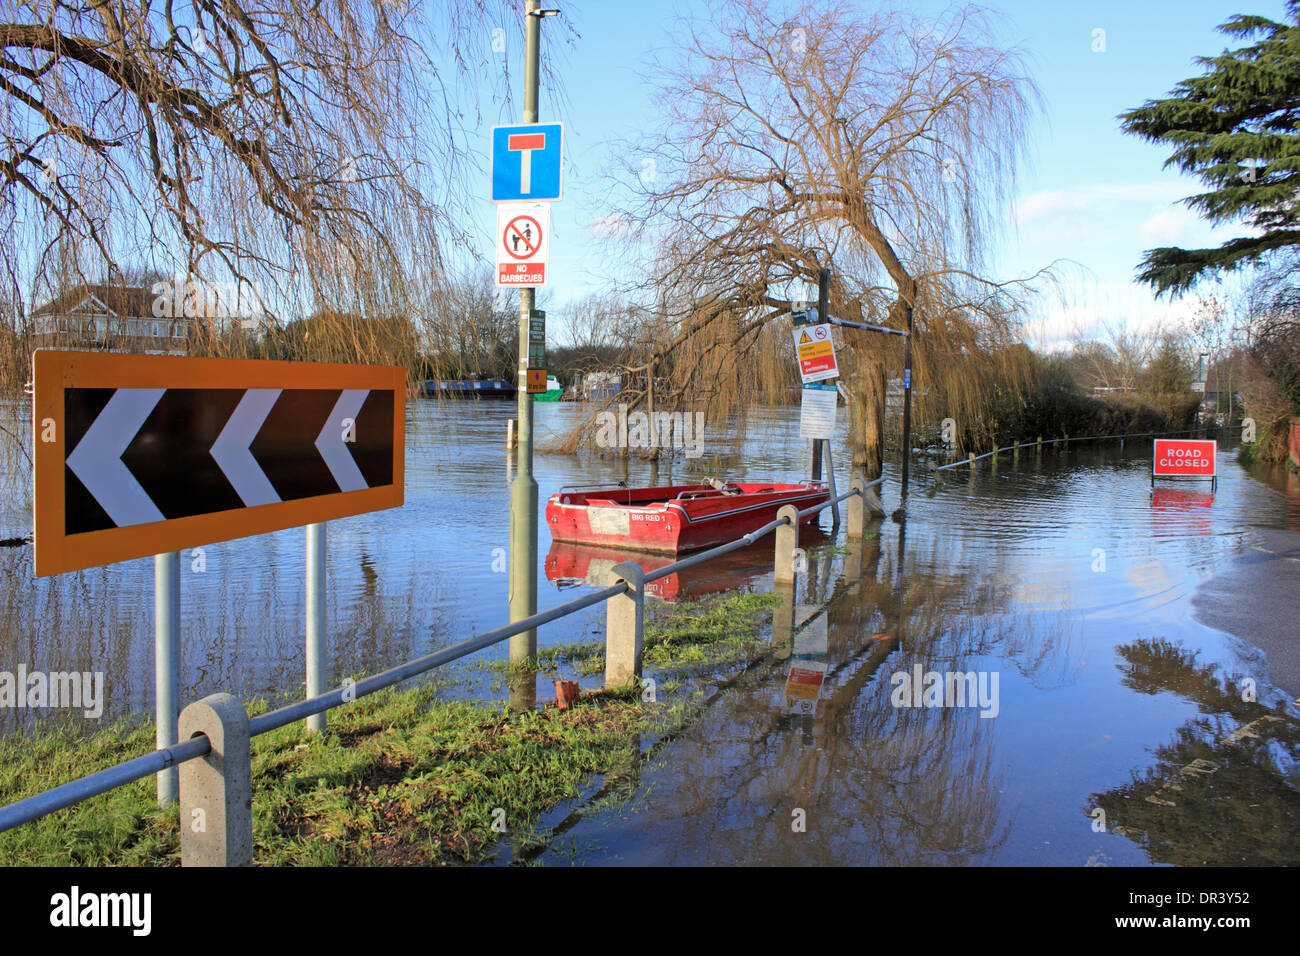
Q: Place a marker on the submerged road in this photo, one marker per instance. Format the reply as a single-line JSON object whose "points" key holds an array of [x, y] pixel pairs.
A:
{"points": [[1257, 598], [1108, 633]]}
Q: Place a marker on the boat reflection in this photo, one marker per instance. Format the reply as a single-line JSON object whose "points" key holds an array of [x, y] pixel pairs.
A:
{"points": [[568, 565]]}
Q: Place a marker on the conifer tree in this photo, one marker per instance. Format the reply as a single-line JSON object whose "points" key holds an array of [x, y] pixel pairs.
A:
{"points": [[1237, 127]]}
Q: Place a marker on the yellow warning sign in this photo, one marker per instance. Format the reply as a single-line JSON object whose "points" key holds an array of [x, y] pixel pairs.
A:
{"points": [[816, 352]]}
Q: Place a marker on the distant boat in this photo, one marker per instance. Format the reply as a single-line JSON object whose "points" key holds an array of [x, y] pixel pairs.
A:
{"points": [[467, 388], [673, 519], [553, 391], [598, 386]]}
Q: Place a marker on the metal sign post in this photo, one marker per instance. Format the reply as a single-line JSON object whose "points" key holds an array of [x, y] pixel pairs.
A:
{"points": [[166, 662], [315, 650], [907, 406], [528, 165], [823, 309], [523, 490], [813, 364]]}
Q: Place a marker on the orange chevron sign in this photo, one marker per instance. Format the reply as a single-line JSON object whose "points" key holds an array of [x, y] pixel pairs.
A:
{"points": [[144, 454]]}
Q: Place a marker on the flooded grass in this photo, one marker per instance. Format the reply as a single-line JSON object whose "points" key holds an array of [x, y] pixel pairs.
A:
{"points": [[708, 632], [401, 777]]}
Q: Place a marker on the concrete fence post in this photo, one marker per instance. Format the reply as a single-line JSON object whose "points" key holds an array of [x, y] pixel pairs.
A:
{"points": [[625, 626], [858, 506], [787, 540], [216, 791]]}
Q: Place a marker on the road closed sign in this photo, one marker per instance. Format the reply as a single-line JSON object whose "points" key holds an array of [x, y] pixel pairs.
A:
{"points": [[1183, 458], [816, 352], [523, 243]]}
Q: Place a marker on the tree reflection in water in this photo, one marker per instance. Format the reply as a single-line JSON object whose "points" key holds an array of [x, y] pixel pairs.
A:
{"points": [[1223, 791]]}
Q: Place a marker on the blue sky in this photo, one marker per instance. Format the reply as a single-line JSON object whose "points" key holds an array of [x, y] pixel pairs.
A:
{"points": [[1089, 193]]}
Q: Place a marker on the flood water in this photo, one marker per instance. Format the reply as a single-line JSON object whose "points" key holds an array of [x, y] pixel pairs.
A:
{"points": [[1108, 725]]}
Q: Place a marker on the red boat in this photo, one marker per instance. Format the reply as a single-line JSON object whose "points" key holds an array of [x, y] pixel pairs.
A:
{"points": [[674, 519]]}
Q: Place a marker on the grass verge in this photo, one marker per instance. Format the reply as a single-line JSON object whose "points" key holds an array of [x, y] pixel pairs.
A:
{"points": [[401, 778], [708, 632]]}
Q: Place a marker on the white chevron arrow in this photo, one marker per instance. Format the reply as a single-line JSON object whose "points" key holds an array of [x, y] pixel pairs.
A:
{"points": [[97, 459], [230, 450], [330, 442]]}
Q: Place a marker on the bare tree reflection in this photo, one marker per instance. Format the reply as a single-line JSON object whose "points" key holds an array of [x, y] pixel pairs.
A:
{"points": [[1218, 793]]}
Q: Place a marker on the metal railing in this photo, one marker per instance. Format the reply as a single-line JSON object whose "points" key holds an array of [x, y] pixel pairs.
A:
{"points": [[214, 756], [1053, 441]]}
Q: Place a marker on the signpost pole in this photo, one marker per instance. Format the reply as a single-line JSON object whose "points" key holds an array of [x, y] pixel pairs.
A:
{"points": [[823, 310], [523, 490], [907, 405], [316, 620], [167, 656]]}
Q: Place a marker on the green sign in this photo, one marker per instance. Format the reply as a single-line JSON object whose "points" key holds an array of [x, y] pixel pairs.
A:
{"points": [[537, 339]]}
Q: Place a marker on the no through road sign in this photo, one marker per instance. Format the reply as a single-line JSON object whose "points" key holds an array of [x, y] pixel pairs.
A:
{"points": [[527, 162]]}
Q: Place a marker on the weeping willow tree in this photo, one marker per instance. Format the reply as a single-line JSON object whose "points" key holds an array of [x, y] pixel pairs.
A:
{"points": [[309, 152], [880, 145]]}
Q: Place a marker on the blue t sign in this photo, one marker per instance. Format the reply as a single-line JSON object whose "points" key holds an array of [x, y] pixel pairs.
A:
{"points": [[526, 162]]}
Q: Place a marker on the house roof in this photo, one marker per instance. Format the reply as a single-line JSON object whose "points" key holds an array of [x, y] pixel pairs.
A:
{"points": [[101, 299]]}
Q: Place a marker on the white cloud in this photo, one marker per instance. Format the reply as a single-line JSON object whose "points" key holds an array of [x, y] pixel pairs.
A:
{"points": [[1055, 205], [1164, 227], [1087, 311]]}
